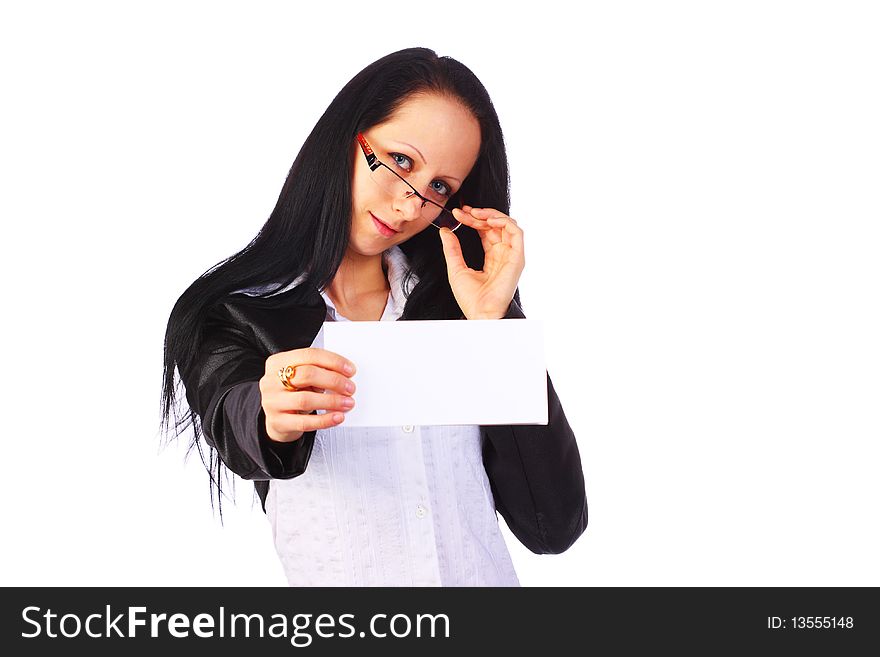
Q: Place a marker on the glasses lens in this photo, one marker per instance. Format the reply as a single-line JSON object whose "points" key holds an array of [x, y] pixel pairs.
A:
{"points": [[432, 211], [446, 220]]}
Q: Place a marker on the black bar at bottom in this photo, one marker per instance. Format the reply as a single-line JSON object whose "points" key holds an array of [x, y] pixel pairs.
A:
{"points": [[434, 621]]}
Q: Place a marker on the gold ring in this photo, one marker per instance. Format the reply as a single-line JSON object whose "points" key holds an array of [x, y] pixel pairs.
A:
{"points": [[286, 374]]}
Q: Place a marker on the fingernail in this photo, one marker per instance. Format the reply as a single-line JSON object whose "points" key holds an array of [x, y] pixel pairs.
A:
{"points": [[347, 403], [349, 387], [338, 417], [349, 368]]}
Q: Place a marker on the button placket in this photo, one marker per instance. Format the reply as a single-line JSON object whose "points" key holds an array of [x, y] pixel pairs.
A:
{"points": [[415, 509]]}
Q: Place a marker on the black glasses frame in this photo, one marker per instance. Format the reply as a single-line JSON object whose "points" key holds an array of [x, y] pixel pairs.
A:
{"points": [[374, 163]]}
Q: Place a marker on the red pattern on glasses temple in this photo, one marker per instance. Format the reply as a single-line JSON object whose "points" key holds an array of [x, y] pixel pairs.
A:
{"points": [[372, 160]]}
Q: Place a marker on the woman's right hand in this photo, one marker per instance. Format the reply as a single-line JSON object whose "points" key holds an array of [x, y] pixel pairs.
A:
{"points": [[322, 383]]}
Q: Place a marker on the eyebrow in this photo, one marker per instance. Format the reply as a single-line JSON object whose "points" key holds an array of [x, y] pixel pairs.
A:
{"points": [[425, 161]]}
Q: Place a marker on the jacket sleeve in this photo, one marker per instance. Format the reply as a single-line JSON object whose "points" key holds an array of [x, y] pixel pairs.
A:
{"points": [[222, 387], [536, 476]]}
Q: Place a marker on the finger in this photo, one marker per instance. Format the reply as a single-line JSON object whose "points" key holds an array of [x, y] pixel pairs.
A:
{"points": [[305, 401], [313, 356], [488, 235], [452, 251], [312, 376], [489, 238], [308, 388], [488, 213], [511, 233], [491, 224], [469, 219], [290, 423]]}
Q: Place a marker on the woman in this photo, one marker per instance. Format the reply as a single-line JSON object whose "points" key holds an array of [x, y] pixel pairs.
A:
{"points": [[395, 208]]}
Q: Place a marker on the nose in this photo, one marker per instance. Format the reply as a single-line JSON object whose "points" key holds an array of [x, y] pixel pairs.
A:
{"points": [[409, 207]]}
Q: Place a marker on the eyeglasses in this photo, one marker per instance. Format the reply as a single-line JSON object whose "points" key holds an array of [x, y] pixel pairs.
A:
{"points": [[390, 181]]}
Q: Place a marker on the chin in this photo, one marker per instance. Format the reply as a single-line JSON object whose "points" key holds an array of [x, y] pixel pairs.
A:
{"points": [[367, 247]]}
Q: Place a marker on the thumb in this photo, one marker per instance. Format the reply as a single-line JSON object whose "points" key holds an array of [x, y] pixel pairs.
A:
{"points": [[452, 250]]}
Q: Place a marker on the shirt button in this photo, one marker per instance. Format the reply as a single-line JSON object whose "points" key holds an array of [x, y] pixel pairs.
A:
{"points": [[408, 428], [421, 511]]}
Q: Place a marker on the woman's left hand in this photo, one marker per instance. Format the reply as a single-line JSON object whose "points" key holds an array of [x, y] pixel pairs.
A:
{"points": [[485, 294]]}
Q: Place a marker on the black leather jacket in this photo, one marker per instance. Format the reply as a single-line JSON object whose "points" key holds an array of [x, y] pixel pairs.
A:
{"points": [[534, 470]]}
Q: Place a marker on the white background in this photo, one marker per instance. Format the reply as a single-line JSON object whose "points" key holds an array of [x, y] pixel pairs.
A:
{"points": [[698, 185]]}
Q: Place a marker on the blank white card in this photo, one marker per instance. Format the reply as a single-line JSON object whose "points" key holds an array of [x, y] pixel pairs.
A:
{"points": [[443, 371]]}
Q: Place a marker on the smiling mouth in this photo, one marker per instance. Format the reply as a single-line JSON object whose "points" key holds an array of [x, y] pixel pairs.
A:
{"points": [[383, 224]]}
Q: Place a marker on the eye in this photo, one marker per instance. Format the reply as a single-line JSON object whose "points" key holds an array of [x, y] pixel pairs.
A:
{"points": [[441, 187], [403, 162]]}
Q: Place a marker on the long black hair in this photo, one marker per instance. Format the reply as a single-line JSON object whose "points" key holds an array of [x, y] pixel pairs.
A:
{"points": [[308, 230]]}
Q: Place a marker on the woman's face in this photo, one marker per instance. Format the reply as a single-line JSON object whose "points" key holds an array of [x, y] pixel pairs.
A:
{"points": [[429, 140]]}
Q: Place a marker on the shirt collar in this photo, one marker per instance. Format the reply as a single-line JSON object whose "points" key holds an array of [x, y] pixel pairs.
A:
{"points": [[397, 264]]}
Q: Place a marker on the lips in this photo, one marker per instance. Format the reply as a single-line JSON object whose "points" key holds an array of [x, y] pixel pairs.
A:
{"points": [[384, 228]]}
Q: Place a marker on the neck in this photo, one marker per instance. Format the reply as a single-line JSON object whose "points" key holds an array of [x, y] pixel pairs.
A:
{"points": [[358, 276]]}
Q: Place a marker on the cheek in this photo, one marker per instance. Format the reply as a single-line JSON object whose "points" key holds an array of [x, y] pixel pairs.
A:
{"points": [[364, 195]]}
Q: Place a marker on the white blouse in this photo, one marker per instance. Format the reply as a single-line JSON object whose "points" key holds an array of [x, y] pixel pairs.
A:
{"points": [[390, 506]]}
